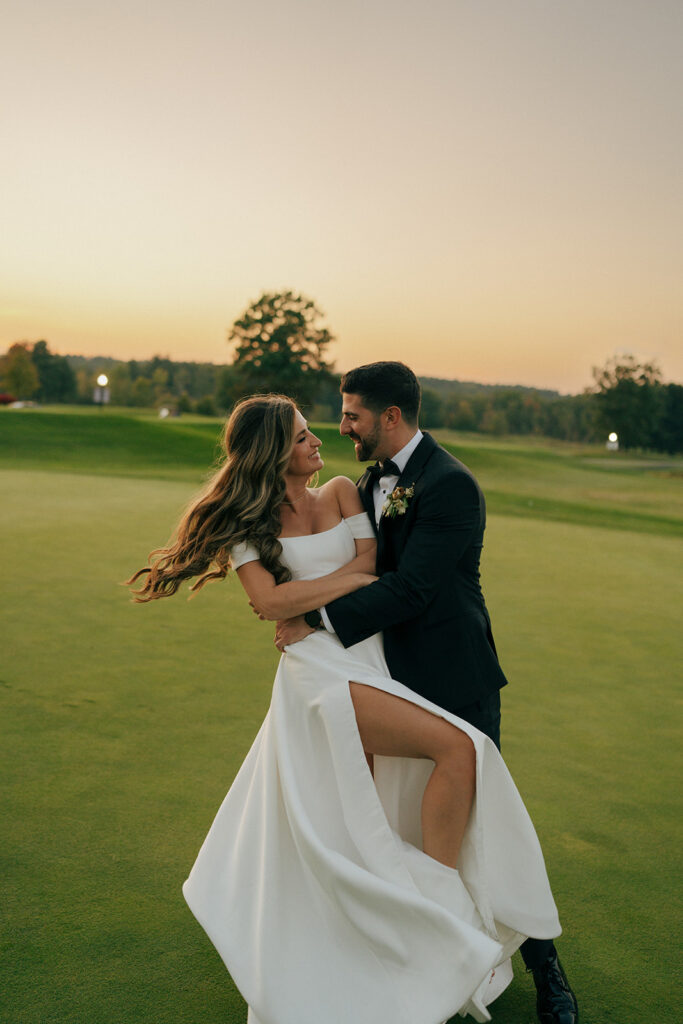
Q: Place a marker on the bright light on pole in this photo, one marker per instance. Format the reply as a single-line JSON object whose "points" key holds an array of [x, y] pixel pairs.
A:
{"points": [[612, 442], [100, 395]]}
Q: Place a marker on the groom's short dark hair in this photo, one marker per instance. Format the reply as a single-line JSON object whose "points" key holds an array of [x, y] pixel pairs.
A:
{"points": [[383, 384]]}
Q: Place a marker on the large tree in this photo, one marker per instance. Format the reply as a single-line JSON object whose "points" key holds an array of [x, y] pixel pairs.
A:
{"points": [[627, 398], [280, 346]]}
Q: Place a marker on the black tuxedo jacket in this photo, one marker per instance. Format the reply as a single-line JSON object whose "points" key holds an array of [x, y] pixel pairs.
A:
{"points": [[428, 601]]}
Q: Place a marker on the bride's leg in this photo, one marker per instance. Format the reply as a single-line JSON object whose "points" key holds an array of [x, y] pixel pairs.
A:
{"points": [[394, 727]]}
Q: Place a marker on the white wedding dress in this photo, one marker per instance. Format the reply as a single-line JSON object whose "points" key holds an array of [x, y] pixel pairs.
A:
{"points": [[312, 884]]}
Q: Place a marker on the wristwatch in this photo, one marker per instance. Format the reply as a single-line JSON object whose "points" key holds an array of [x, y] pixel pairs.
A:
{"points": [[314, 619]]}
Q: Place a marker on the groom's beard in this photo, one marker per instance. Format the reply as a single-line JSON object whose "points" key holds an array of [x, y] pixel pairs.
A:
{"points": [[368, 444]]}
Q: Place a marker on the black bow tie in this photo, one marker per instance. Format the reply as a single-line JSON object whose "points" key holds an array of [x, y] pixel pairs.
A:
{"points": [[386, 468]]}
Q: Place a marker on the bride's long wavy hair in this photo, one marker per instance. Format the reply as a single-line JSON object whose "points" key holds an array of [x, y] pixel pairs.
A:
{"points": [[240, 503]]}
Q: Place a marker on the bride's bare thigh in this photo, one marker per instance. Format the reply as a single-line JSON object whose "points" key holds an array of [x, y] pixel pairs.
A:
{"points": [[393, 727]]}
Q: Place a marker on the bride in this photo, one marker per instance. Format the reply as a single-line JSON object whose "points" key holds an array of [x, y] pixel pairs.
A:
{"points": [[373, 861]]}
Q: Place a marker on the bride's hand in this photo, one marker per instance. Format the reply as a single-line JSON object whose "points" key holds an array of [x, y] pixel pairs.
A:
{"points": [[290, 631], [257, 612]]}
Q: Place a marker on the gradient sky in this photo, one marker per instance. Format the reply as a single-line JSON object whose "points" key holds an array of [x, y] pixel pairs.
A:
{"points": [[488, 190]]}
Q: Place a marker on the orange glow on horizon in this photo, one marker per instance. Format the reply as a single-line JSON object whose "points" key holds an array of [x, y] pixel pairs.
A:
{"points": [[446, 187]]}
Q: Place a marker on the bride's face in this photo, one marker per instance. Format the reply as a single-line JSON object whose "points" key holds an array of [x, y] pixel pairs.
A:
{"points": [[305, 458]]}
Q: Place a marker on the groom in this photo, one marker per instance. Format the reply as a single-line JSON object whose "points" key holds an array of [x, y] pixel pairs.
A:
{"points": [[430, 516]]}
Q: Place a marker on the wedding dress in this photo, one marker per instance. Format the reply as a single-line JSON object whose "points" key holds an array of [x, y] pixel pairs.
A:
{"points": [[312, 884]]}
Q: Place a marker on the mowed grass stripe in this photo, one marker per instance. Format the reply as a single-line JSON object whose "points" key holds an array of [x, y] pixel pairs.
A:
{"points": [[119, 445], [502, 503], [563, 483]]}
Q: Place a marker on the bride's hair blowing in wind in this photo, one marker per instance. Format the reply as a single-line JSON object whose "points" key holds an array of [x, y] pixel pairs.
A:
{"points": [[239, 503]]}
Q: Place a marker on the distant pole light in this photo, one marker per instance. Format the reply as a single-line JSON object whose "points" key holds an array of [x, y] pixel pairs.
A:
{"points": [[612, 442], [101, 393]]}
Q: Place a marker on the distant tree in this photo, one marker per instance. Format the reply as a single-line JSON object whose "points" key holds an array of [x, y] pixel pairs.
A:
{"points": [[627, 400], [161, 384], [431, 409], [228, 388], [57, 379], [569, 417], [18, 373], [517, 408], [84, 385], [142, 393], [280, 346], [494, 421], [460, 414], [206, 406], [328, 403], [669, 433], [120, 384], [161, 367], [204, 378]]}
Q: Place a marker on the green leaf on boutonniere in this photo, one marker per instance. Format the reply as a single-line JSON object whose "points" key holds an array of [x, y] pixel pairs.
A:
{"points": [[397, 502]]}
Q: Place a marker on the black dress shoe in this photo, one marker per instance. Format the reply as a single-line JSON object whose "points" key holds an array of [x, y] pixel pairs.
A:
{"points": [[555, 1001]]}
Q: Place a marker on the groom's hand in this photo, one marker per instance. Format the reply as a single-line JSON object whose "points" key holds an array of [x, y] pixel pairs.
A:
{"points": [[290, 631]]}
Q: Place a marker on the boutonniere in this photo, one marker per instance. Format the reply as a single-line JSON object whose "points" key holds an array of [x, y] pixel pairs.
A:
{"points": [[397, 502]]}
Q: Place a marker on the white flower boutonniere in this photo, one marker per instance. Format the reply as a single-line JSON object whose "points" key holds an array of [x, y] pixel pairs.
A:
{"points": [[397, 502]]}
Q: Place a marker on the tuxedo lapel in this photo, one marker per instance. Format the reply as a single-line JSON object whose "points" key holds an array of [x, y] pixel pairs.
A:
{"points": [[410, 475], [365, 487], [417, 461], [394, 530]]}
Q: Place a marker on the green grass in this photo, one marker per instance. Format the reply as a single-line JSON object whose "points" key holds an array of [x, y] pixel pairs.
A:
{"points": [[563, 482], [122, 726]]}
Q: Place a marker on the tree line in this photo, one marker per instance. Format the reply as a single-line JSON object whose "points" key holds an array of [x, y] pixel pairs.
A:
{"points": [[279, 344]]}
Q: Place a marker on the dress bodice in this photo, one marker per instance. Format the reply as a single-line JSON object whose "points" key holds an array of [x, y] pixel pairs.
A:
{"points": [[315, 554]]}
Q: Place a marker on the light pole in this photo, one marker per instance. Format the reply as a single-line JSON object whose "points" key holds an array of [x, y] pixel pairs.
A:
{"points": [[101, 392]]}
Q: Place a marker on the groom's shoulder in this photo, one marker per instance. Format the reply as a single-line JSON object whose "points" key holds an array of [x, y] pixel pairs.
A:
{"points": [[449, 478], [443, 462]]}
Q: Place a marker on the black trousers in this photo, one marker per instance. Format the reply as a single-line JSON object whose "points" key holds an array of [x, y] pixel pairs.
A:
{"points": [[485, 716]]}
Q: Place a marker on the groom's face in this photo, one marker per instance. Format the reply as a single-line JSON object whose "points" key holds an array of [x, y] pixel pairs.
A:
{"points": [[364, 427]]}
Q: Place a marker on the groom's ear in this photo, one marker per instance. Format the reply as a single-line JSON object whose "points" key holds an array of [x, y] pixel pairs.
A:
{"points": [[392, 417]]}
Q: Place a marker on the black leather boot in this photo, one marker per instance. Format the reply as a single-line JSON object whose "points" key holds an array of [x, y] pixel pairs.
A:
{"points": [[555, 1001]]}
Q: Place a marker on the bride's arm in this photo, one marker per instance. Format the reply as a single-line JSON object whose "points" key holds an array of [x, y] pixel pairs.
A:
{"points": [[286, 600], [283, 600], [365, 560]]}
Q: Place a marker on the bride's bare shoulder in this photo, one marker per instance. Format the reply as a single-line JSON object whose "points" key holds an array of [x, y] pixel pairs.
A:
{"points": [[344, 492]]}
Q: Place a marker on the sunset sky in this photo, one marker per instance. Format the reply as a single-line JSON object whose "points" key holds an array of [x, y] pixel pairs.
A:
{"points": [[488, 189]]}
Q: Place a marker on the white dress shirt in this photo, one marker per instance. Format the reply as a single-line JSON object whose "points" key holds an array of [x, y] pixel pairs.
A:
{"points": [[383, 487]]}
